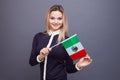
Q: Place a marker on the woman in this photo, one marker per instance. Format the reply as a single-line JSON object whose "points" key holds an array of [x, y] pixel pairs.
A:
{"points": [[54, 63]]}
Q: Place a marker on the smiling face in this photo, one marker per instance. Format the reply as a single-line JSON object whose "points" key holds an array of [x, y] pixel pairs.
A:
{"points": [[55, 20]]}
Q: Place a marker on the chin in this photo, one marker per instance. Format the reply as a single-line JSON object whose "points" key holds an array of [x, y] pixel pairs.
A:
{"points": [[56, 28]]}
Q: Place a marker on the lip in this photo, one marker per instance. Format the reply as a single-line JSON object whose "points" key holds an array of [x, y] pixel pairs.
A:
{"points": [[55, 25]]}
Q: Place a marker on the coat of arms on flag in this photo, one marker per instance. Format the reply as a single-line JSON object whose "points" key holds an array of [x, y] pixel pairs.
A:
{"points": [[74, 47]]}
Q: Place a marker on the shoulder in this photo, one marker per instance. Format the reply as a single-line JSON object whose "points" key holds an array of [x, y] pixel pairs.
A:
{"points": [[39, 35]]}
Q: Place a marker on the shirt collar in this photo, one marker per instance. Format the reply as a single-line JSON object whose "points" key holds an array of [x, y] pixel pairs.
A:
{"points": [[54, 32]]}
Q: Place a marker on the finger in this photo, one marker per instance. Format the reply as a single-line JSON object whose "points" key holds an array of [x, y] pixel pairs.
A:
{"points": [[81, 59], [42, 53], [87, 56], [49, 49], [88, 59]]}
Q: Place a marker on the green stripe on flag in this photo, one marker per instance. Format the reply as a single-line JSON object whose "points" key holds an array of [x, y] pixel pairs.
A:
{"points": [[70, 41]]}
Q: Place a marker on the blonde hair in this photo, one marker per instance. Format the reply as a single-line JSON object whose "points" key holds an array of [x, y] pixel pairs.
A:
{"points": [[64, 27]]}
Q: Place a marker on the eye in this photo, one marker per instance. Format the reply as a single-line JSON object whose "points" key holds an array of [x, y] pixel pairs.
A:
{"points": [[52, 18], [59, 18]]}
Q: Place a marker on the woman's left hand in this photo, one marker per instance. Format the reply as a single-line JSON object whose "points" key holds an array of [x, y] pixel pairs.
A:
{"points": [[85, 61]]}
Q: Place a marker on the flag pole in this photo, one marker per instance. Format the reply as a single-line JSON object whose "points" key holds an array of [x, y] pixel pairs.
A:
{"points": [[55, 45], [62, 41]]}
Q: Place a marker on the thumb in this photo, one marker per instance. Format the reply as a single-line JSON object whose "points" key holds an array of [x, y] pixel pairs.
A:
{"points": [[49, 49]]}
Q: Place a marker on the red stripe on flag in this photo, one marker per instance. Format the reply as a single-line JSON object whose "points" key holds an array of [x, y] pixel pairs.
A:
{"points": [[78, 55]]}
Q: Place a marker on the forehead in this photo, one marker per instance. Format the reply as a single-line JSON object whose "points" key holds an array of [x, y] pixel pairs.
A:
{"points": [[56, 14]]}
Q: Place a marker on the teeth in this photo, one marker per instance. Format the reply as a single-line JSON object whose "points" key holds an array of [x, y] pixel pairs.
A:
{"points": [[55, 24]]}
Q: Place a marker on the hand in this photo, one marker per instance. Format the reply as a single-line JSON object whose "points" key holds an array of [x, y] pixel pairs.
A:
{"points": [[45, 51], [85, 61]]}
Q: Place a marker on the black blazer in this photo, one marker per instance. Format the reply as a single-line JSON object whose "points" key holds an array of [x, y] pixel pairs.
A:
{"points": [[58, 64]]}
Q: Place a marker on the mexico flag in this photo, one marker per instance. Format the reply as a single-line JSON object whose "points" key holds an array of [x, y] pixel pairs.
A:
{"points": [[74, 47]]}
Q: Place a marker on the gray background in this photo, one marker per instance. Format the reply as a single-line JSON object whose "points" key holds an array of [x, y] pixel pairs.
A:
{"points": [[97, 22]]}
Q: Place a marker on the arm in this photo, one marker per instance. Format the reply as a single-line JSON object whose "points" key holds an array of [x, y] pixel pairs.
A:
{"points": [[83, 62], [34, 52], [70, 66]]}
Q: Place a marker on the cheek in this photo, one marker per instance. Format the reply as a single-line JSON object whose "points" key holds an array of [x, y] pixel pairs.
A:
{"points": [[60, 22], [51, 21]]}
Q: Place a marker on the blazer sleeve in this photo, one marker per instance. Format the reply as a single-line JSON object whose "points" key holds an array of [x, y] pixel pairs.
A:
{"points": [[34, 51], [70, 66]]}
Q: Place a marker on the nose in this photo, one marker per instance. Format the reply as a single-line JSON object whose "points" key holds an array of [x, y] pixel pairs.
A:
{"points": [[56, 21]]}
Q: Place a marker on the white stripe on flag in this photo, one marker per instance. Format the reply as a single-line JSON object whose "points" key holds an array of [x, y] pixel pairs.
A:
{"points": [[78, 45]]}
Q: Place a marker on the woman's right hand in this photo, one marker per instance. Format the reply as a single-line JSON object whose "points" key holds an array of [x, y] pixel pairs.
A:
{"points": [[45, 51]]}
